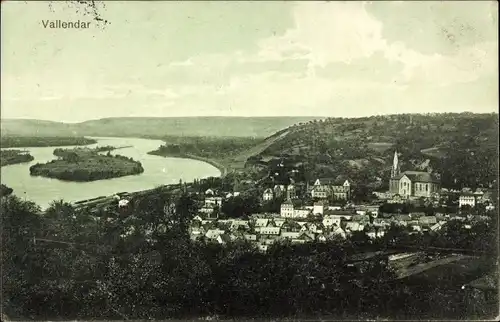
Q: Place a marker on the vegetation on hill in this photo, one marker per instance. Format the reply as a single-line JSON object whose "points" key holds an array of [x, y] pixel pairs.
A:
{"points": [[154, 127], [82, 164], [43, 141], [460, 147], [14, 156], [139, 263]]}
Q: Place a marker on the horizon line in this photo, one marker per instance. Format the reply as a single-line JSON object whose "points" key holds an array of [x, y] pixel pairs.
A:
{"points": [[246, 116]]}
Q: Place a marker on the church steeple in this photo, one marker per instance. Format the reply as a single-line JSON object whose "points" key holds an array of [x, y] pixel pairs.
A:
{"points": [[395, 165]]}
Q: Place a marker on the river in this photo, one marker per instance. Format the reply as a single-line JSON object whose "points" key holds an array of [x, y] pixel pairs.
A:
{"points": [[157, 171]]}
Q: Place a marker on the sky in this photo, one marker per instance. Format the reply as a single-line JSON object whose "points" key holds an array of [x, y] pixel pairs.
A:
{"points": [[201, 58]]}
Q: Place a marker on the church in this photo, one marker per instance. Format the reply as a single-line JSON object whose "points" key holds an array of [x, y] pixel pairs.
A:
{"points": [[409, 184]]}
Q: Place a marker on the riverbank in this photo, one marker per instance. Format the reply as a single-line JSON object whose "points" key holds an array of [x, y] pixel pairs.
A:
{"points": [[28, 141], [8, 157], [219, 164]]}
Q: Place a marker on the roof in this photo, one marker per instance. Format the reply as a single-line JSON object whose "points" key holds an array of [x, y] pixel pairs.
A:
{"points": [[420, 176], [225, 238], [338, 181], [402, 217], [261, 222]]}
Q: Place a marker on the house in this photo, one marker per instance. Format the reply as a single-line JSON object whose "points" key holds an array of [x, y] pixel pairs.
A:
{"points": [[321, 237], [279, 190], [412, 183], [263, 248], [396, 199], [329, 221], [354, 226], [303, 238], [467, 199], [301, 213], [198, 218], [270, 231], [216, 201], [371, 233], [437, 226], [250, 237], [207, 209], [268, 194], [401, 220], [240, 224], [416, 228], [361, 218], [337, 231], [212, 234], [382, 222], [290, 235], [291, 192], [268, 240], [287, 209], [324, 188], [290, 226], [123, 203], [279, 222], [318, 208], [224, 239], [261, 222], [427, 220]]}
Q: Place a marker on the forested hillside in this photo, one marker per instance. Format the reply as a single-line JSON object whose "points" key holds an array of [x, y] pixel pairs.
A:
{"points": [[461, 147]]}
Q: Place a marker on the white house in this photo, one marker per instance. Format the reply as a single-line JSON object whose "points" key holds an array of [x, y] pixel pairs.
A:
{"points": [[268, 194], [270, 231], [329, 221], [214, 233], [287, 209], [354, 226], [301, 213], [467, 199], [318, 208], [261, 222], [213, 201]]}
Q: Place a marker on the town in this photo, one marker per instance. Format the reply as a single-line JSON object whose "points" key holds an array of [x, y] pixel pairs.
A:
{"points": [[322, 210]]}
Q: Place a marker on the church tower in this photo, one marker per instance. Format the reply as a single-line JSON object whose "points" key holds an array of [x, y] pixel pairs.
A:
{"points": [[395, 166]]}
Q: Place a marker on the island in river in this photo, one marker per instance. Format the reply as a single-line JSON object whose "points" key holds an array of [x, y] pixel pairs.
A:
{"points": [[8, 157], [85, 164]]}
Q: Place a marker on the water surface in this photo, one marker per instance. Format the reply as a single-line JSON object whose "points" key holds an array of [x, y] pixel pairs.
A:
{"points": [[157, 171]]}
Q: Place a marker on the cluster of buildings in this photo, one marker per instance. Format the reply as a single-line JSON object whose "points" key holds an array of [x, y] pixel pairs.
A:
{"points": [[318, 221]]}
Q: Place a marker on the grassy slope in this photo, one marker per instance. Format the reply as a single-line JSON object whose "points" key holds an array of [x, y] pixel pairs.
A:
{"points": [[154, 127]]}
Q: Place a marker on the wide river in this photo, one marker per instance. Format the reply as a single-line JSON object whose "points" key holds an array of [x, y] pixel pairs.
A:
{"points": [[157, 171]]}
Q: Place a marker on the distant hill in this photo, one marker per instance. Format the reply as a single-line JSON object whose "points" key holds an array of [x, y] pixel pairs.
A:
{"points": [[154, 127], [17, 127]]}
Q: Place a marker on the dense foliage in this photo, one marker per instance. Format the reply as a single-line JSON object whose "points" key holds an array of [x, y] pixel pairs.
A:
{"points": [[39, 141], [14, 156], [138, 263], [207, 147], [86, 165], [4, 190]]}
